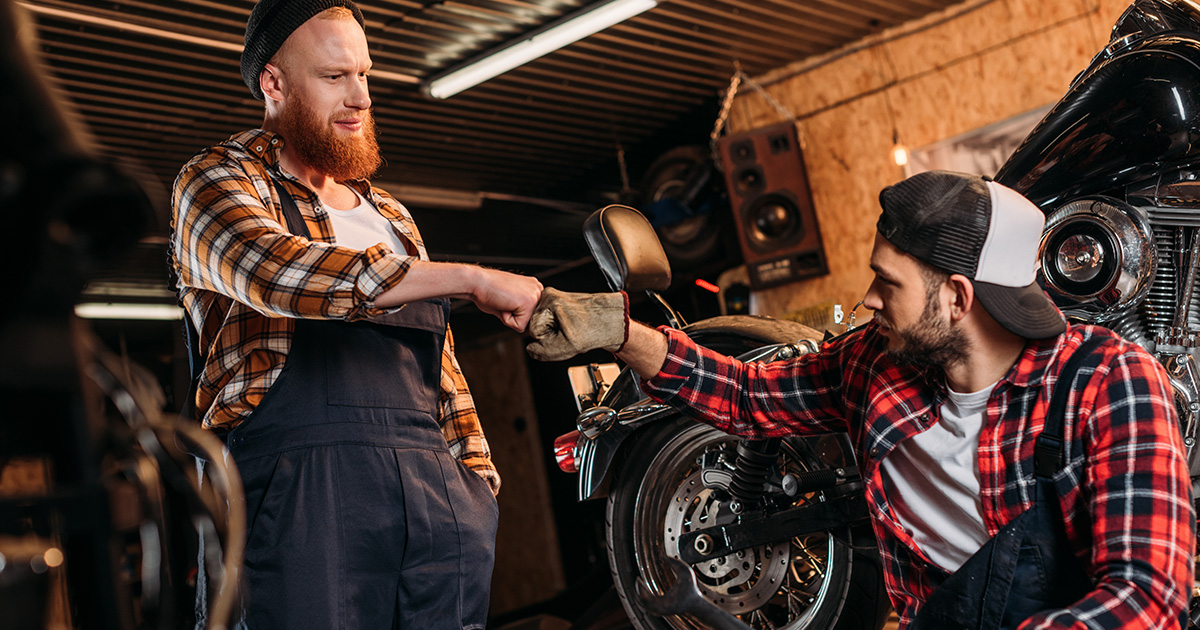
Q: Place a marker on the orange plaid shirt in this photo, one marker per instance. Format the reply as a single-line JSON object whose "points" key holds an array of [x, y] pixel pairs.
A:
{"points": [[243, 278]]}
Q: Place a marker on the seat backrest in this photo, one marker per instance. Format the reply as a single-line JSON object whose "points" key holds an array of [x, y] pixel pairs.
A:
{"points": [[628, 251]]}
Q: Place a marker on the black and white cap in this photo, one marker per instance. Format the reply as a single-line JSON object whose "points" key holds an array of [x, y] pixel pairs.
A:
{"points": [[969, 225]]}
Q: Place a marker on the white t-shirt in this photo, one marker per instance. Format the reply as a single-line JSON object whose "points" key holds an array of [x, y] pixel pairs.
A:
{"points": [[932, 482], [362, 226]]}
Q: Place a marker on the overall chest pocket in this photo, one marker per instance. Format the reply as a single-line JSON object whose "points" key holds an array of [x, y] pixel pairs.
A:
{"points": [[388, 367]]}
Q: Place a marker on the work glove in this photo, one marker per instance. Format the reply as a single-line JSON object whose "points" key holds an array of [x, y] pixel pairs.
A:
{"points": [[566, 324]]}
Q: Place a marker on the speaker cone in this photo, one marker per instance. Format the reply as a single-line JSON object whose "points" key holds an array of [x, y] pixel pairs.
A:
{"points": [[773, 221], [749, 180]]}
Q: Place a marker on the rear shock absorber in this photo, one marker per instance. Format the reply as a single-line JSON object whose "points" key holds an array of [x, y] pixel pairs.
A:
{"points": [[753, 465]]}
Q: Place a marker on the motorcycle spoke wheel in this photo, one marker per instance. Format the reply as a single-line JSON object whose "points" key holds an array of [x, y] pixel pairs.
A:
{"points": [[793, 584]]}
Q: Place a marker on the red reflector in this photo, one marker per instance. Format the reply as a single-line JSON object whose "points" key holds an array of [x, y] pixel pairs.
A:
{"points": [[564, 451], [707, 286]]}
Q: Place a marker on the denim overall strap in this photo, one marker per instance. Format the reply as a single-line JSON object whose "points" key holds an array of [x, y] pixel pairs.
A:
{"points": [[1028, 566]]}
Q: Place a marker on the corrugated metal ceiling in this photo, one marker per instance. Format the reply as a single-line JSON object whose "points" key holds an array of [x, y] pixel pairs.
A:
{"points": [[156, 81]]}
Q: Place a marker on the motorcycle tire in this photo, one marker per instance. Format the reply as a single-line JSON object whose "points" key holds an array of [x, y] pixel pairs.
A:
{"points": [[695, 239], [813, 582]]}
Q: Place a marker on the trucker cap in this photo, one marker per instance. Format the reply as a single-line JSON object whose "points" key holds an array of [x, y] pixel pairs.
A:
{"points": [[969, 225]]}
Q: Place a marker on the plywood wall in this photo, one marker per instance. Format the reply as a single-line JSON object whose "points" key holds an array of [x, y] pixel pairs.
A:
{"points": [[972, 65]]}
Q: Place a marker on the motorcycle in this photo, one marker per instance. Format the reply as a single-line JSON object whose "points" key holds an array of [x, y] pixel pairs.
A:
{"points": [[1115, 167], [774, 532], [777, 530]]}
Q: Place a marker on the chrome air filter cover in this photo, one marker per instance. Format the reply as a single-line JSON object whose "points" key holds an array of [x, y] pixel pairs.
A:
{"points": [[1097, 257]]}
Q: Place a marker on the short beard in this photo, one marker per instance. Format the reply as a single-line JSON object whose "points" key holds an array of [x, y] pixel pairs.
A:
{"points": [[317, 144], [931, 342]]}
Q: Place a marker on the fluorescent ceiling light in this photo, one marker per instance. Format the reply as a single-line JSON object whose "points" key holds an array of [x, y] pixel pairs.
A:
{"points": [[547, 39], [104, 291], [97, 310]]}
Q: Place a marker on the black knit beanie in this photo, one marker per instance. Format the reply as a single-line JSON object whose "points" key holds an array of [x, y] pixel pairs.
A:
{"points": [[270, 24]]}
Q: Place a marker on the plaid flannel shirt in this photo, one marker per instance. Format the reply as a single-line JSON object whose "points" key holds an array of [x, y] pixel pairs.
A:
{"points": [[1125, 492], [243, 278]]}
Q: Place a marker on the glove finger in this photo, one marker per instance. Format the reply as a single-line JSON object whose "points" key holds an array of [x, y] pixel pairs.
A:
{"points": [[542, 323], [535, 350], [550, 295], [543, 351]]}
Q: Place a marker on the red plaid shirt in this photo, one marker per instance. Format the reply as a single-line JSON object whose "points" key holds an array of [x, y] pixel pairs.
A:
{"points": [[243, 278], [1125, 492]]}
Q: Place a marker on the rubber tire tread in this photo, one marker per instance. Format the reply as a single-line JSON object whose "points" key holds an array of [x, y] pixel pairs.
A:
{"points": [[865, 605]]}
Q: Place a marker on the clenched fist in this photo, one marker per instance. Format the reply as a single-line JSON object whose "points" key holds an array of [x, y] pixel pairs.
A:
{"points": [[567, 324]]}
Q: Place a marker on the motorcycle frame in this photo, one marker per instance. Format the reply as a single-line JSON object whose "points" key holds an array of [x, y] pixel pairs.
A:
{"points": [[594, 456]]}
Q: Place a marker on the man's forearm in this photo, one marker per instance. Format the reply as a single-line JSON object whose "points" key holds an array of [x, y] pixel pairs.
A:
{"points": [[645, 351], [510, 297], [426, 280]]}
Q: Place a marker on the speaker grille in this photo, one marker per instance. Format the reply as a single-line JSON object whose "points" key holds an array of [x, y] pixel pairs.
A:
{"points": [[772, 205]]}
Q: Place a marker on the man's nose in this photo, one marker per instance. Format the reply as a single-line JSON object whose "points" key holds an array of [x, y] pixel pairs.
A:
{"points": [[359, 97], [872, 300]]}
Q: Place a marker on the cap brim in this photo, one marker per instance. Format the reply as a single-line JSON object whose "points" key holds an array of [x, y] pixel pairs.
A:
{"points": [[1023, 311]]}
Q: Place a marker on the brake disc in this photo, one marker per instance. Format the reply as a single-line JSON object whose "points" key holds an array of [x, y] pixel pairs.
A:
{"points": [[739, 582]]}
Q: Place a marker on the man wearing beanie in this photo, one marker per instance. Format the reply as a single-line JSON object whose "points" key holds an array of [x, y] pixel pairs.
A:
{"points": [[1021, 472], [323, 356]]}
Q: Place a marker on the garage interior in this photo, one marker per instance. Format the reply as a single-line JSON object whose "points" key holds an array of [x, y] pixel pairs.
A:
{"points": [[504, 174]]}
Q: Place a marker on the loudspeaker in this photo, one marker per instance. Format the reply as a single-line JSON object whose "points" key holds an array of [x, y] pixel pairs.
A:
{"points": [[772, 205]]}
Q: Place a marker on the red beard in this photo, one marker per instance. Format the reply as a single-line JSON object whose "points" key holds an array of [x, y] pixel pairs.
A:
{"points": [[317, 144]]}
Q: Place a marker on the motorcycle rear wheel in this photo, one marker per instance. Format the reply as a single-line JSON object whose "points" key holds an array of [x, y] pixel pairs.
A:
{"points": [[807, 583]]}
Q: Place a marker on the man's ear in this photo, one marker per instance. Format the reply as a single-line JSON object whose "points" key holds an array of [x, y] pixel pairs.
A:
{"points": [[271, 82], [962, 296]]}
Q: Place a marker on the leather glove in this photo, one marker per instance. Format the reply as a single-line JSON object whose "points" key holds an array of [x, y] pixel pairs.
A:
{"points": [[566, 324]]}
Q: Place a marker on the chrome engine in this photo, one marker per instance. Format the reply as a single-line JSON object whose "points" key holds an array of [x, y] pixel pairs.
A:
{"points": [[1132, 266]]}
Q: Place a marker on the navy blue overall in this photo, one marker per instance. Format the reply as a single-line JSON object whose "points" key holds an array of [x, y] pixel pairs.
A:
{"points": [[359, 517], [1028, 566]]}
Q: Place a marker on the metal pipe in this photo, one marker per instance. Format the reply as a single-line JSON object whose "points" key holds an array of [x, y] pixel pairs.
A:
{"points": [[1189, 283]]}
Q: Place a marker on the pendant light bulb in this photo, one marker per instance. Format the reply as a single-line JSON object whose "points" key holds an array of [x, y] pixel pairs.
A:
{"points": [[899, 151]]}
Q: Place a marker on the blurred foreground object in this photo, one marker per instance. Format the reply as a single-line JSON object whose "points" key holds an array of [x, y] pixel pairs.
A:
{"points": [[97, 485]]}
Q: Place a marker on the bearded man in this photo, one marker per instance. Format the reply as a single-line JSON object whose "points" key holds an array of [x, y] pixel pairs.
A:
{"points": [[1020, 472], [325, 361]]}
